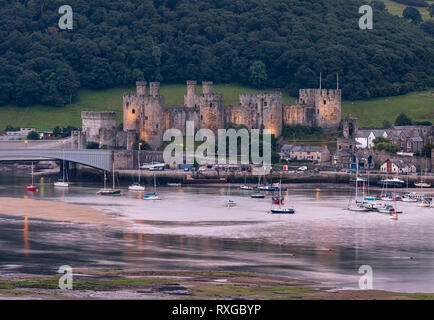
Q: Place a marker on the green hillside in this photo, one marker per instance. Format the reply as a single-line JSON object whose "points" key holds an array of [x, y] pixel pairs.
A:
{"points": [[371, 113]]}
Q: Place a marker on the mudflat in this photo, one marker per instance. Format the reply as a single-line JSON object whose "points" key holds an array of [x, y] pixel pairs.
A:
{"points": [[54, 211]]}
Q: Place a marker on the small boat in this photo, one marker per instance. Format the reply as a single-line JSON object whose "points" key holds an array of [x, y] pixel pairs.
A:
{"points": [[257, 196], [422, 185], [395, 182], [370, 198], [386, 197], [174, 184], [62, 183], [32, 187], [107, 191], [277, 200], [282, 210], [424, 204], [394, 215], [136, 187], [386, 209], [407, 198], [357, 207], [246, 187], [153, 195], [230, 203], [355, 204]]}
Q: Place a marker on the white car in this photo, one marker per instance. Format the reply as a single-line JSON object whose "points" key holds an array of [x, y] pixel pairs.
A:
{"points": [[303, 168], [153, 166]]}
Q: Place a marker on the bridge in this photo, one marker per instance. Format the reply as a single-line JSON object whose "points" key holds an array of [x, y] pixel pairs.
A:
{"points": [[100, 159]]}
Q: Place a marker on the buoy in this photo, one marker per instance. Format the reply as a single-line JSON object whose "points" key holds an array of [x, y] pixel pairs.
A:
{"points": [[25, 218]]}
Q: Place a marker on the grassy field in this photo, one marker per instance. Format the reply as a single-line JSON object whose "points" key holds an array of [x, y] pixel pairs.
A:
{"points": [[46, 117], [397, 9], [371, 113]]}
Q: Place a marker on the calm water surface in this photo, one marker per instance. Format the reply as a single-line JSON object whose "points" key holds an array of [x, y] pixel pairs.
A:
{"points": [[191, 229]]}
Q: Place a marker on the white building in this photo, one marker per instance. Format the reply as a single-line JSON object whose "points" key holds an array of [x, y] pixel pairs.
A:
{"points": [[365, 137], [397, 166]]}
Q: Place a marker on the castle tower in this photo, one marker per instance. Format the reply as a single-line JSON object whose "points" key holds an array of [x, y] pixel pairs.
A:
{"points": [[211, 108], [190, 99], [141, 88], [152, 117], [132, 106], [270, 111], [328, 106], [207, 87], [350, 127]]}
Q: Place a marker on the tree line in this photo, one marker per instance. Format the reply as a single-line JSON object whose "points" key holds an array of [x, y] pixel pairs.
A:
{"points": [[263, 43]]}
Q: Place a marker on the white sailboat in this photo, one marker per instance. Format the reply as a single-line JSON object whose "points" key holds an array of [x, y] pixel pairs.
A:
{"points": [[357, 205], [136, 185], [62, 183], [230, 203], [423, 183]]}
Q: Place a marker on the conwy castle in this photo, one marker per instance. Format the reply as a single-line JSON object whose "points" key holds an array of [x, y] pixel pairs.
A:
{"points": [[146, 117]]}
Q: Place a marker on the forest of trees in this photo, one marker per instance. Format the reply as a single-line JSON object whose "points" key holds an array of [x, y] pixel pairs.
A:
{"points": [[263, 43]]}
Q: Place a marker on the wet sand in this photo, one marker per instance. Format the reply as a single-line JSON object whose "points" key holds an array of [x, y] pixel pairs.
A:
{"points": [[54, 211]]}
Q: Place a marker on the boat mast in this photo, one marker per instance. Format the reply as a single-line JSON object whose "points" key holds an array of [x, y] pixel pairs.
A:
{"points": [[113, 175], [105, 180], [138, 162], [32, 175]]}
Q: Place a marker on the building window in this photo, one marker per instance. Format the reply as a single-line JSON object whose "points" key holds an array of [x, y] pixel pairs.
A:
{"points": [[146, 117], [156, 126], [133, 111], [210, 105], [201, 117], [265, 103], [128, 104], [325, 102]]}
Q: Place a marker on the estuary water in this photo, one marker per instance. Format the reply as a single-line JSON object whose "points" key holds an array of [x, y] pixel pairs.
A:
{"points": [[191, 229]]}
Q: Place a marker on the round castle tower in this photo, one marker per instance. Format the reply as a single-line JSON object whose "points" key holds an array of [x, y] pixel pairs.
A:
{"points": [[328, 106]]}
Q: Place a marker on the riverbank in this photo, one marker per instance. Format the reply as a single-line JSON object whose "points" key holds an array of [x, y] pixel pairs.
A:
{"points": [[54, 211], [145, 284]]}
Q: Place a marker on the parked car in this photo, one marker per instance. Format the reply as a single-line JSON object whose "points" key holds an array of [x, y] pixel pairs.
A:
{"points": [[303, 168], [153, 166]]}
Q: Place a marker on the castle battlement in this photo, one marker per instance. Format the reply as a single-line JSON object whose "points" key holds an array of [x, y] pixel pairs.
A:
{"points": [[146, 113]]}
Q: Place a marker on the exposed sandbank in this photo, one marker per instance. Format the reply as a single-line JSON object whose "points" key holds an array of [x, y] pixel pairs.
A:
{"points": [[55, 211]]}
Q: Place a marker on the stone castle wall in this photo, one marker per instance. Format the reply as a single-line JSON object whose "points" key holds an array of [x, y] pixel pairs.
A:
{"points": [[146, 113]]}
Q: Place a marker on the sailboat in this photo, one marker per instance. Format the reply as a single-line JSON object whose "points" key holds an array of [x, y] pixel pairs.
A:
{"points": [[107, 191], [409, 197], [245, 186], [422, 183], [32, 187], [136, 185], [394, 213], [62, 183], [280, 209], [230, 203], [357, 205], [153, 195]]}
